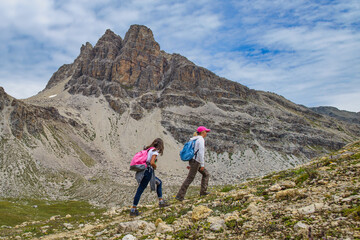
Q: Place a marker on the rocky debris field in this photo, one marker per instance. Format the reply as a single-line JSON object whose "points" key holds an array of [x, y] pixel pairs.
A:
{"points": [[319, 200]]}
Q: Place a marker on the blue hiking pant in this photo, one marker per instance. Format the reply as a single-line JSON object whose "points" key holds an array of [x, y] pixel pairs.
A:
{"points": [[143, 184]]}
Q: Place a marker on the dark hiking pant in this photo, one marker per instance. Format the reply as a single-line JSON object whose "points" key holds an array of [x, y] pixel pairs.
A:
{"points": [[194, 168], [144, 182]]}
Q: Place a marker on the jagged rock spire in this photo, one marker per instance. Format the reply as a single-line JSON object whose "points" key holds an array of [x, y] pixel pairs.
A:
{"points": [[141, 38]]}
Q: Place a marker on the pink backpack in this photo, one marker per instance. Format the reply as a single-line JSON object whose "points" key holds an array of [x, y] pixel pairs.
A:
{"points": [[138, 163]]}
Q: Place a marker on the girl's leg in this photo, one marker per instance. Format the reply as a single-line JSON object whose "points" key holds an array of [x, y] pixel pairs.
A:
{"points": [[144, 182], [159, 188], [204, 182], [162, 202], [194, 166]]}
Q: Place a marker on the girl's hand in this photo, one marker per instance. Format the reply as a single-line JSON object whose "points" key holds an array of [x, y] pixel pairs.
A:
{"points": [[154, 166]]}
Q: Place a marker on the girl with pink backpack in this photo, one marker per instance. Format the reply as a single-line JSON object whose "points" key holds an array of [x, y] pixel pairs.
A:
{"points": [[147, 175]]}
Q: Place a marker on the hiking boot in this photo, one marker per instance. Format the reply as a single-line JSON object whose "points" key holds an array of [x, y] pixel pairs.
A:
{"points": [[204, 194], [163, 204], [134, 213], [179, 199]]}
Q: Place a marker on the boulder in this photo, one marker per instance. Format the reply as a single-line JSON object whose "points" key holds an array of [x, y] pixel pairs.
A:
{"points": [[217, 224], [239, 194], [252, 209], [300, 225], [129, 237], [290, 193], [200, 212], [68, 226], [275, 188], [311, 208], [232, 216], [159, 220], [287, 184], [163, 228], [135, 226]]}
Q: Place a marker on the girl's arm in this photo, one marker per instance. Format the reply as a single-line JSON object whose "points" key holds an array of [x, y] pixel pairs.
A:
{"points": [[152, 161]]}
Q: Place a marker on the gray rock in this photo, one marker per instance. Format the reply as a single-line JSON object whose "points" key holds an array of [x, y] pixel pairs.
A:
{"points": [[163, 228], [275, 188], [300, 226], [217, 224], [135, 226], [129, 237], [68, 226], [311, 208]]}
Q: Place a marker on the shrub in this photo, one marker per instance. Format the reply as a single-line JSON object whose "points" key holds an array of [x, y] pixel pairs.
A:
{"points": [[353, 213], [227, 188]]}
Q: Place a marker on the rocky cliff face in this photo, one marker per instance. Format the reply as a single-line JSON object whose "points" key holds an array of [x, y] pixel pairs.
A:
{"points": [[23, 117], [119, 95]]}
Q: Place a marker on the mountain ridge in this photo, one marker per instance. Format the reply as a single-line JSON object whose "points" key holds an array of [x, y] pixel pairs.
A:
{"points": [[342, 115]]}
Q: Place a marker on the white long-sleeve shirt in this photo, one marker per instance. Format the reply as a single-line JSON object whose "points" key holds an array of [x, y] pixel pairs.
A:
{"points": [[200, 147]]}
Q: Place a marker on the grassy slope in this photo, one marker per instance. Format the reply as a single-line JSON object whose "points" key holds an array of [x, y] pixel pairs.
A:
{"points": [[262, 214]]}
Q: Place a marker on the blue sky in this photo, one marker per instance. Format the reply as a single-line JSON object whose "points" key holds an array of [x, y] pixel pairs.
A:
{"points": [[306, 51]]}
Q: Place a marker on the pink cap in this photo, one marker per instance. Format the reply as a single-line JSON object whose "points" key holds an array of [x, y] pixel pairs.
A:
{"points": [[202, 128]]}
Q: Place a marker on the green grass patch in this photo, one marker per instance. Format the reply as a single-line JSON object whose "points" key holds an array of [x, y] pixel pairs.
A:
{"points": [[354, 213], [286, 174], [301, 179], [355, 156], [14, 212], [308, 174], [260, 190], [227, 188], [184, 211], [290, 223], [170, 217]]}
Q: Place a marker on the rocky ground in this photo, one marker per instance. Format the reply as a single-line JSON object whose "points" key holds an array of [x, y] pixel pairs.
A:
{"points": [[319, 200]]}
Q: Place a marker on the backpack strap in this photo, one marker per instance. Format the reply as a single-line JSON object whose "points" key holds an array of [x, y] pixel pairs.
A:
{"points": [[195, 154]]}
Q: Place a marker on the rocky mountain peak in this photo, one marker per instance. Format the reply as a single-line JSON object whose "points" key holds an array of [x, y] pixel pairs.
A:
{"points": [[86, 49], [118, 68], [141, 38], [109, 35], [108, 46]]}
